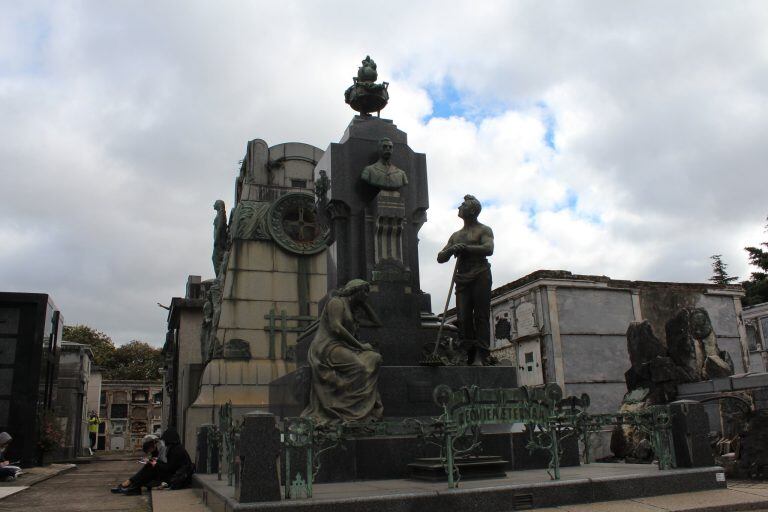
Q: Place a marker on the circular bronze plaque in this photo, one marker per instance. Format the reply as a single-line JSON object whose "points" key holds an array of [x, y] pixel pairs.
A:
{"points": [[294, 225]]}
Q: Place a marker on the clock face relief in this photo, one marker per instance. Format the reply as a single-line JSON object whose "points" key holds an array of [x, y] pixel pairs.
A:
{"points": [[294, 224]]}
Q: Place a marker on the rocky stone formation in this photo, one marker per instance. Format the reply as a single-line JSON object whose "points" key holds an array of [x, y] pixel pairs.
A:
{"points": [[692, 344], [691, 354]]}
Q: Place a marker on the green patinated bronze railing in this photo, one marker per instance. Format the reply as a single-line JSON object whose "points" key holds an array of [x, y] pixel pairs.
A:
{"points": [[230, 430], [223, 436], [549, 419]]}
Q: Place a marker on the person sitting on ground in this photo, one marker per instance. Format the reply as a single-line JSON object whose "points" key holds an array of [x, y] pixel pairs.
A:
{"points": [[7, 471], [167, 465], [154, 451]]}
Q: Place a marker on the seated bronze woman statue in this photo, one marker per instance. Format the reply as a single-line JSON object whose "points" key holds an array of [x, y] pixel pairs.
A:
{"points": [[345, 370]]}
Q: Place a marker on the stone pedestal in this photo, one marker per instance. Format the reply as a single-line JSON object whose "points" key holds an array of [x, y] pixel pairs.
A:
{"points": [[376, 231], [690, 433], [256, 464]]}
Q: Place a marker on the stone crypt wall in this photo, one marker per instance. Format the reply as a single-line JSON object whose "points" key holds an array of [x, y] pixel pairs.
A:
{"points": [[271, 282]]}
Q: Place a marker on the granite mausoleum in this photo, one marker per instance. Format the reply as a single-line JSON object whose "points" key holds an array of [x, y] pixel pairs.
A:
{"points": [[30, 336]]}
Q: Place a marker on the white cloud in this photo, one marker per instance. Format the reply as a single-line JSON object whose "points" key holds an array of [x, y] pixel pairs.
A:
{"points": [[121, 123]]}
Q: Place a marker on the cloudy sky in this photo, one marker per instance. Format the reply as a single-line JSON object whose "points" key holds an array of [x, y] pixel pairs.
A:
{"points": [[627, 139]]}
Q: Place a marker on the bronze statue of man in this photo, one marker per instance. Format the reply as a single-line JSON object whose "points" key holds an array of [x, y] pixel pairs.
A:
{"points": [[382, 174], [220, 235], [471, 245]]}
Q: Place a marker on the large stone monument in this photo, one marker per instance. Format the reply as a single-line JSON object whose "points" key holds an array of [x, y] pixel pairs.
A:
{"points": [[269, 262], [377, 201]]}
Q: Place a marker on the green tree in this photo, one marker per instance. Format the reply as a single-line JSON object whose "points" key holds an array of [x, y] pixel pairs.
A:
{"points": [[100, 343], [719, 274], [757, 287], [136, 360]]}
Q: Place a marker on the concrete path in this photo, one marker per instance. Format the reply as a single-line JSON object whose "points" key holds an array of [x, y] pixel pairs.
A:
{"points": [[740, 495], [184, 500], [83, 489]]}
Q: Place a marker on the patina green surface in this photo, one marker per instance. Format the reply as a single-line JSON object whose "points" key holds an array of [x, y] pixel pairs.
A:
{"points": [[365, 95], [294, 225], [220, 235], [549, 419]]}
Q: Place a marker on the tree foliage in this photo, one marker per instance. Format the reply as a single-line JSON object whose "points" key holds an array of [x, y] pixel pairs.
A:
{"points": [[100, 343], [719, 274], [756, 287], [136, 360]]}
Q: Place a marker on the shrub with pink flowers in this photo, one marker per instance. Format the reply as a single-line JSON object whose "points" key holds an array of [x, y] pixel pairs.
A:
{"points": [[51, 434]]}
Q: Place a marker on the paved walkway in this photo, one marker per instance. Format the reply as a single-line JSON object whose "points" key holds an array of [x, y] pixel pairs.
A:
{"points": [[738, 496], [87, 488], [83, 489]]}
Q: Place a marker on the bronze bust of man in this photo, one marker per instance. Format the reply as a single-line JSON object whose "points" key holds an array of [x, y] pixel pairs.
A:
{"points": [[382, 174]]}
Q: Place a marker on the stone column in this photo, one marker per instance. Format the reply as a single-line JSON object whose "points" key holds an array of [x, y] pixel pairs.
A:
{"points": [[690, 434], [256, 466]]}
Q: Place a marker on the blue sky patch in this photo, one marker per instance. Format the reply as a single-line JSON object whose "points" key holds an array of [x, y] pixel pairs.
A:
{"points": [[33, 34], [449, 101], [550, 124]]}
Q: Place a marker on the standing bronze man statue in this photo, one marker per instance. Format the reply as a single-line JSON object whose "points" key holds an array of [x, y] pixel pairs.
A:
{"points": [[471, 245]]}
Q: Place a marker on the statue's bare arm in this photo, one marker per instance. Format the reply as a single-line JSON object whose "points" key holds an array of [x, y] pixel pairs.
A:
{"points": [[447, 251]]}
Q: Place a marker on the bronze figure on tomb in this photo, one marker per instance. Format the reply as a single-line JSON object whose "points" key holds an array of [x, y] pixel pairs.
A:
{"points": [[220, 235], [365, 95], [382, 174], [345, 370], [471, 246]]}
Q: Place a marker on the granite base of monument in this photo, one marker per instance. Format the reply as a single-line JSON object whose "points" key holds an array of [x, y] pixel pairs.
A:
{"points": [[519, 490], [389, 457], [432, 469], [406, 391]]}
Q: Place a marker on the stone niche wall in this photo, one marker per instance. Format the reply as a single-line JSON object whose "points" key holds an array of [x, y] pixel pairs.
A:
{"points": [[593, 325], [262, 278]]}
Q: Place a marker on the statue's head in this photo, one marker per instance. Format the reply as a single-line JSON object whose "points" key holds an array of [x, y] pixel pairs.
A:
{"points": [[355, 288], [385, 148], [218, 205], [470, 208]]}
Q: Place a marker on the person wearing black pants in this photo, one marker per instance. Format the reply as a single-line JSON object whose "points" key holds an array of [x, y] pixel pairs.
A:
{"points": [[166, 457]]}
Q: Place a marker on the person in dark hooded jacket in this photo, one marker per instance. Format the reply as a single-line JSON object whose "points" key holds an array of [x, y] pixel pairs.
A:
{"points": [[167, 465]]}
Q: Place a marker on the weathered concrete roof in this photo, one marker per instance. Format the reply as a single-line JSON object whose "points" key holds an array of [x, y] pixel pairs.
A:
{"points": [[611, 283], [565, 275]]}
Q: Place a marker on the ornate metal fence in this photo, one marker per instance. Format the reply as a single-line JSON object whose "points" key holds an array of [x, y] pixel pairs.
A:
{"points": [[223, 436], [549, 419]]}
